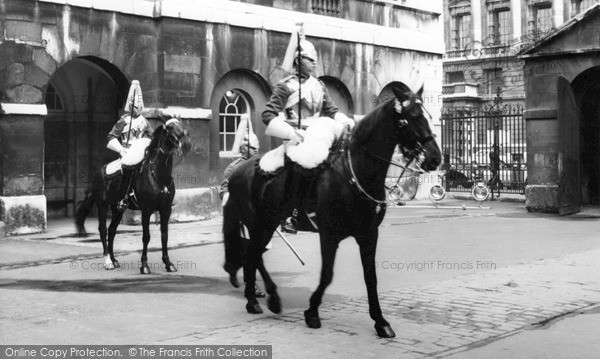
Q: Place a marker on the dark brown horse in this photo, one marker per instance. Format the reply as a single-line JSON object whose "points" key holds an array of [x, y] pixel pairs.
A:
{"points": [[154, 191], [349, 195]]}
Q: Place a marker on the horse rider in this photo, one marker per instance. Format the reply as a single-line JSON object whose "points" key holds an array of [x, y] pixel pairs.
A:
{"points": [[281, 111], [248, 148], [126, 138]]}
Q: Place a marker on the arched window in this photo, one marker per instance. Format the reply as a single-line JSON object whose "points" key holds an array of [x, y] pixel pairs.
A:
{"points": [[52, 99], [233, 105]]}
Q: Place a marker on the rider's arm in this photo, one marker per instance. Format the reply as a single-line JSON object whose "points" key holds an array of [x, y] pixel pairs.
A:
{"points": [[273, 115], [114, 142], [276, 103], [329, 108]]}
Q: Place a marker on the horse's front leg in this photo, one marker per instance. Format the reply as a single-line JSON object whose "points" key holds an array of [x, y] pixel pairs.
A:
{"points": [[329, 248], [368, 247], [165, 214], [144, 269], [110, 262]]}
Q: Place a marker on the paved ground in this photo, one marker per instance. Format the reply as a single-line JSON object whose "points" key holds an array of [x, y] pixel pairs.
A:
{"points": [[528, 286]]}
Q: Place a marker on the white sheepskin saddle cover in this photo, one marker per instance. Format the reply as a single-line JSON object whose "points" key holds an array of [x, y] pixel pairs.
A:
{"points": [[135, 154], [318, 139]]}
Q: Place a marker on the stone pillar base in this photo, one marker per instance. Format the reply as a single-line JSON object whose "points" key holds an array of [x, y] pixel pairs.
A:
{"points": [[191, 204], [23, 214], [541, 198]]}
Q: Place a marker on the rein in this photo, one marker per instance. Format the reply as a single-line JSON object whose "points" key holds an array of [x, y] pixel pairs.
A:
{"points": [[415, 154], [154, 157]]}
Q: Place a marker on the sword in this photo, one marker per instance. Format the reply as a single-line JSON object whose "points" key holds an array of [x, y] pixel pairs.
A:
{"points": [[130, 119], [299, 49], [289, 245]]}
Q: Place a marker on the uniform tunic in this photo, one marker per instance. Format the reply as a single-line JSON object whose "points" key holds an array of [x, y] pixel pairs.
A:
{"points": [[316, 101], [140, 128]]}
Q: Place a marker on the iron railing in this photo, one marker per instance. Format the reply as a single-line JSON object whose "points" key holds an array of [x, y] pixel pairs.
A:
{"points": [[469, 136]]}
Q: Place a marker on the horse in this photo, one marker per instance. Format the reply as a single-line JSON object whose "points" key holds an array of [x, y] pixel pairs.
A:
{"points": [[349, 196], [154, 191]]}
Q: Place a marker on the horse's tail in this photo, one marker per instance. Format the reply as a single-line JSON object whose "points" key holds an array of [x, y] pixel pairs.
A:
{"points": [[83, 210]]}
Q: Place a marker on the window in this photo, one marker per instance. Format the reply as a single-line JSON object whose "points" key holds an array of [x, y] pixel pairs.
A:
{"points": [[493, 80], [500, 28], [462, 31], [455, 77], [542, 20], [233, 105], [53, 101], [582, 5]]}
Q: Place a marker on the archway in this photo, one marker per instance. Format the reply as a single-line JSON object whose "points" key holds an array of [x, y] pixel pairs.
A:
{"points": [[83, 98], [339, 94], [587, 91]]}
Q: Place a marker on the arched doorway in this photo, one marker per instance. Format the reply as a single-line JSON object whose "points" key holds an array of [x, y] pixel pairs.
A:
{"points": [[586, 87], [339, 94], [83, 98]]}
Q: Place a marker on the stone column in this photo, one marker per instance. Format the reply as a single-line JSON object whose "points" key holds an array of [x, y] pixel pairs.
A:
{"points": [[22, 200]]}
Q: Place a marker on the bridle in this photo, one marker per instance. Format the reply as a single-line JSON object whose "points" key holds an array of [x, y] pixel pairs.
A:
{"points": [[414, 154], [171, 138], [176, 146]]}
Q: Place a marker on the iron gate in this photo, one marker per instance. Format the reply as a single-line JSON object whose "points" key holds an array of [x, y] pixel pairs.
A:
{"points": [[484, 145]]}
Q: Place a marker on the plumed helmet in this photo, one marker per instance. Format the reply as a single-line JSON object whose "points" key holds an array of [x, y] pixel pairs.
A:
{"points": [[134, 97], [308, 50]]}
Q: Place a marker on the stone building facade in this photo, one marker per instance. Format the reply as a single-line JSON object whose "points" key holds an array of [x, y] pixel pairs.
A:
{"points": [[66, 67]]}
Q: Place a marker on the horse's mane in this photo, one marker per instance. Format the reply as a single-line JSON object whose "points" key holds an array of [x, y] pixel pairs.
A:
{"points": [[153, 146], [363, 130]]}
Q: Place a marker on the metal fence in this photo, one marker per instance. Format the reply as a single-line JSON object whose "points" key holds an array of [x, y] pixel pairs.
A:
{"points": [[484, 145]]}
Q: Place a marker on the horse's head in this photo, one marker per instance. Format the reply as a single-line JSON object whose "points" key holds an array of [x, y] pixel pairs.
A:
{"points": [[409, 107], [176, 136]]}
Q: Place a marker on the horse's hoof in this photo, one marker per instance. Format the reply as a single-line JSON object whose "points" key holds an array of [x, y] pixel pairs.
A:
{"points": [[274, 304], [109, 266], [254, 308], [116, 264], [312, 320], [145, 270], [233, 278], [171, 268], [385, 331]]}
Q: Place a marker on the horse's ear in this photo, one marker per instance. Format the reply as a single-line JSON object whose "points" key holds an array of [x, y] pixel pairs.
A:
{"points": [[420, 92], [400, 95]]}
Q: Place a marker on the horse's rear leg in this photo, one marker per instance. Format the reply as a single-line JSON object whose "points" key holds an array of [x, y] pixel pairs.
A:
{"points": [[329, 248], [144, 269], [274, 302], [368, 246], [110, 262], [165, 214], [258, 238]]}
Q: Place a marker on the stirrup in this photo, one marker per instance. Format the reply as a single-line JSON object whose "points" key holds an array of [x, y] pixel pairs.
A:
{"points": [[122, 205], [290, 225]]}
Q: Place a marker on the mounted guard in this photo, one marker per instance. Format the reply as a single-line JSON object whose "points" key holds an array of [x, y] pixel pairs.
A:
{"points": [[129, 137], [301, 112]]}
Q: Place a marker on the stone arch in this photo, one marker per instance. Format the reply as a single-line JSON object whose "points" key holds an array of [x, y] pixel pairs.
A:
{"points": [[339, 94], [586, 86], [91, 93], [257, 91]]}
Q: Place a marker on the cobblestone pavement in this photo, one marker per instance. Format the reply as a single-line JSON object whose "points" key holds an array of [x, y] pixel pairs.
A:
{"points": [[433, 321]]}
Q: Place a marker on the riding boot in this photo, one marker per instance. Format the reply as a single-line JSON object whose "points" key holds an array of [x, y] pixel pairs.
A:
{"points": [[125, 188], [295, 190]]}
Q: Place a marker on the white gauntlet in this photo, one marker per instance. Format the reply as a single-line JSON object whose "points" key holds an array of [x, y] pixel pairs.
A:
{"points": [[115, 145], [280, 129], [343, 119]]}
